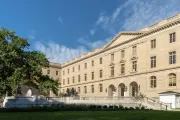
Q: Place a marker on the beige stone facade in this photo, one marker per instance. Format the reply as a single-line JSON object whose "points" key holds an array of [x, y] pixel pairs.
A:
{"points": [[146, 61]]}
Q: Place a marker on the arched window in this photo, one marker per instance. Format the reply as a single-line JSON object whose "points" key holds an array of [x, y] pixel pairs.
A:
{"points": [[100, 88], [172, 79], [92, 88], [153, 82], [85, 89]]}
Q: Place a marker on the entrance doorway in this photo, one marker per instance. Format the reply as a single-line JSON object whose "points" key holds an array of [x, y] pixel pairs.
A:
{"points": [[111, 90], [133, 89], [121, 90]]}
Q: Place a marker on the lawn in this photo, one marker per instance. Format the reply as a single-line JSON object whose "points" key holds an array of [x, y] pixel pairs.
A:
{"points": [[92, 115]]}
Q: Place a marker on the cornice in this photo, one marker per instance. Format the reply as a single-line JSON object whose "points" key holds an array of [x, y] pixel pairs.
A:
{"points": [[55, 65], [152, 31]]}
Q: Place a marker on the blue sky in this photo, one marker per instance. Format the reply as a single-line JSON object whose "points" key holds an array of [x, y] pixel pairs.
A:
{"points": [[65, 29]]}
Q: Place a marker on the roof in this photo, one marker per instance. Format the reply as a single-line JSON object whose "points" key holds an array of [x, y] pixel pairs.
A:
{"points": [[24, 89], [170, 92]]}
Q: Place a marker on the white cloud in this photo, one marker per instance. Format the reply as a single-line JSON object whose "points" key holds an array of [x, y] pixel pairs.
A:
{"points": [[60, 20], [136, 14], [93, 44], [130, 16], [92, 31], [59, 53], [32, 35]]}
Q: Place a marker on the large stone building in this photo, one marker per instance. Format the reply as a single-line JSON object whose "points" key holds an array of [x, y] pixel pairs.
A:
{"points": [[146, 61]]}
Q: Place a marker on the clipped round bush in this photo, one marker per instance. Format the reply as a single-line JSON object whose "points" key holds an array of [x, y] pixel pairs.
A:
{"points": [[131, 108], [121, 107], [142, 108], [99, 106], [137, 108], [116, 107], [105, 107], [111, 106], [126, 108]]}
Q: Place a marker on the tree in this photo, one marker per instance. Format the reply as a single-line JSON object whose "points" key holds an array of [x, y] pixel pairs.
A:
{"points": [[19, 65], [48, 84]]}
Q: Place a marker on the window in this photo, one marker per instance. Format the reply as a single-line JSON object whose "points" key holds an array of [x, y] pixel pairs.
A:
{"points": [[100, 74], [153, 43], [153, 81], [85, 65], [79, 90], [134, 66], [73, 80], [134, 48], [63, 73], [63, 81], [172, 79], [112, 71], [92, 88], [48, 71], [57, 72], [68, 71], [85, 77], [92, 63], [92, 75], [122, 54], [172, 57], [79, 67], [68, 80], [172, 37], [100, 88], [122, 68], [153, 62], [85, 89], [73, 69], [79, 78], [112, 57], [100, 60]]}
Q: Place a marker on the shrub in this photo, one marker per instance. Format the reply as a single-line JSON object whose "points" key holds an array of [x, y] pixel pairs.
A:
{"points": [[115, 107], [99, 106], [131, 108], [126, 108], [142, 108], [137, 108], [92, 107], [121, 107], [111, 107], [105, 107]]}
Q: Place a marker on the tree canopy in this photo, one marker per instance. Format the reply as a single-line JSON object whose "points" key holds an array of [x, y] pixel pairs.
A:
{"points": [[19, 65]]}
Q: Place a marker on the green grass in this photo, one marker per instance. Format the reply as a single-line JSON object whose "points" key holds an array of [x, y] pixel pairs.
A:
{"points": [[92, 115]]}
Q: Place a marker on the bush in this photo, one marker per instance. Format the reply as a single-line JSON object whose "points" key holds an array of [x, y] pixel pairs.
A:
{"points": [[105, 107], [92, 107], [71, 107], [99, 106], [142, 108], [115, 107], [111, 107], [121, 107], [137, 108], [126, 108], [131, 108]]}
